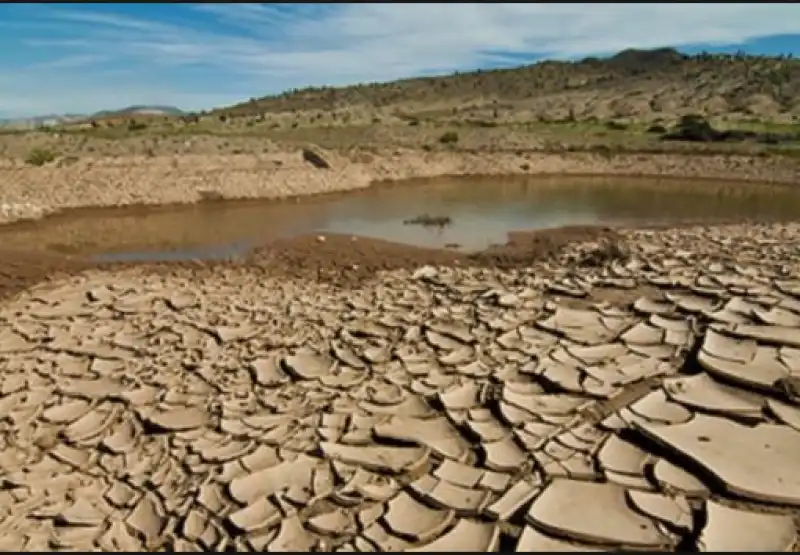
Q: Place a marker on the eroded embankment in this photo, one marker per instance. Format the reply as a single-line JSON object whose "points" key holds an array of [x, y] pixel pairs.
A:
{"points": [[35, 191]]}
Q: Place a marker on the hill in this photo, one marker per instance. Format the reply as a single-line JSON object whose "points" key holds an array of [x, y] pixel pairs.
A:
{"points": [[635, 101], [39, 121], [52, 120], [139, 110], [634, 84]]}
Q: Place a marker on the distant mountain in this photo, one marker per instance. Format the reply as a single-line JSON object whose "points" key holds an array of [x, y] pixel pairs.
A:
{"points": [[58, 119], [39, 121], [139, 110]]}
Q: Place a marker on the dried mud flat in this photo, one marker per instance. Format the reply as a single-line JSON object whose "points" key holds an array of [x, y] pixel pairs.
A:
{"points": [[646, 403]]}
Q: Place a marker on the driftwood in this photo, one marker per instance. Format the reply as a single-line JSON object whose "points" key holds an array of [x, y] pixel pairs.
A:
{"points": [[429, 221]]}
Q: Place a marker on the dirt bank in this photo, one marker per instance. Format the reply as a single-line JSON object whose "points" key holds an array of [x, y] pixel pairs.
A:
{"points": [[22, 269], [346, 261], [341, 261], [30, 192]]}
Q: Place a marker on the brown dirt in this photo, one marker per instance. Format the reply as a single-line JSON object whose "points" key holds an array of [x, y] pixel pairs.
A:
{"points": [[526, 247], [347, 261], [21, 269], [340, 260]]}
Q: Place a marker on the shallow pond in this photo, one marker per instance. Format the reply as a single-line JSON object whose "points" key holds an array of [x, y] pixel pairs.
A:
{"points": [[481, 212]]}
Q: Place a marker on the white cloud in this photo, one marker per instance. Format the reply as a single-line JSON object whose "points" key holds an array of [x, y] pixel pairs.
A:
{"points": [[256, 49]]}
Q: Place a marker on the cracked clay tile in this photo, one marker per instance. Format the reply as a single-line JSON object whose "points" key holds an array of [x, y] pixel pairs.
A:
{"points": [[755, 462], [412, 520], [594, 512], [466, 536], [740, 530]]}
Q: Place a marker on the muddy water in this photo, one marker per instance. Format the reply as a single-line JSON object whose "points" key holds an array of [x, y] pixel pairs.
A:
{"points": [[482, 211]]}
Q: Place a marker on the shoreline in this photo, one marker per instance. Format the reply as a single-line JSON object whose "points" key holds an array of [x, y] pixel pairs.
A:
{"points": [[31, 193]]}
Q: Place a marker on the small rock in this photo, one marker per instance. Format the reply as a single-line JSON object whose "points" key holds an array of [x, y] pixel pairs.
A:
{"points": [[508, 300], [316, 159], [426, 272]]}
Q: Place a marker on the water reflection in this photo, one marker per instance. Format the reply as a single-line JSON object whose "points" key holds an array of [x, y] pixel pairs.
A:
{"points": [[482, 210]]}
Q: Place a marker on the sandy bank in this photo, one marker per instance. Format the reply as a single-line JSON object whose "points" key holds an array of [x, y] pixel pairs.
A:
{"points": [[30, 192]]}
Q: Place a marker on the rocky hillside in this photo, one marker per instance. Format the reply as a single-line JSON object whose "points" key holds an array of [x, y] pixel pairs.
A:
{"points": [[634, 84]]}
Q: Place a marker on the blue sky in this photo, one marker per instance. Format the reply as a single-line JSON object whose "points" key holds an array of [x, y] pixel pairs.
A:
{"points": [[84, 57]]}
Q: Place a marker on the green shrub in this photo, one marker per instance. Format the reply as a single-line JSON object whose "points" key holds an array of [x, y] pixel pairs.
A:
{"points": [[616, 125], [449, 138], [40, 157], [693, 127]]}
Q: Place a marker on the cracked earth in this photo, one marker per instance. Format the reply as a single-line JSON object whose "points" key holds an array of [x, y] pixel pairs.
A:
{"points": [[650, 403]]}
